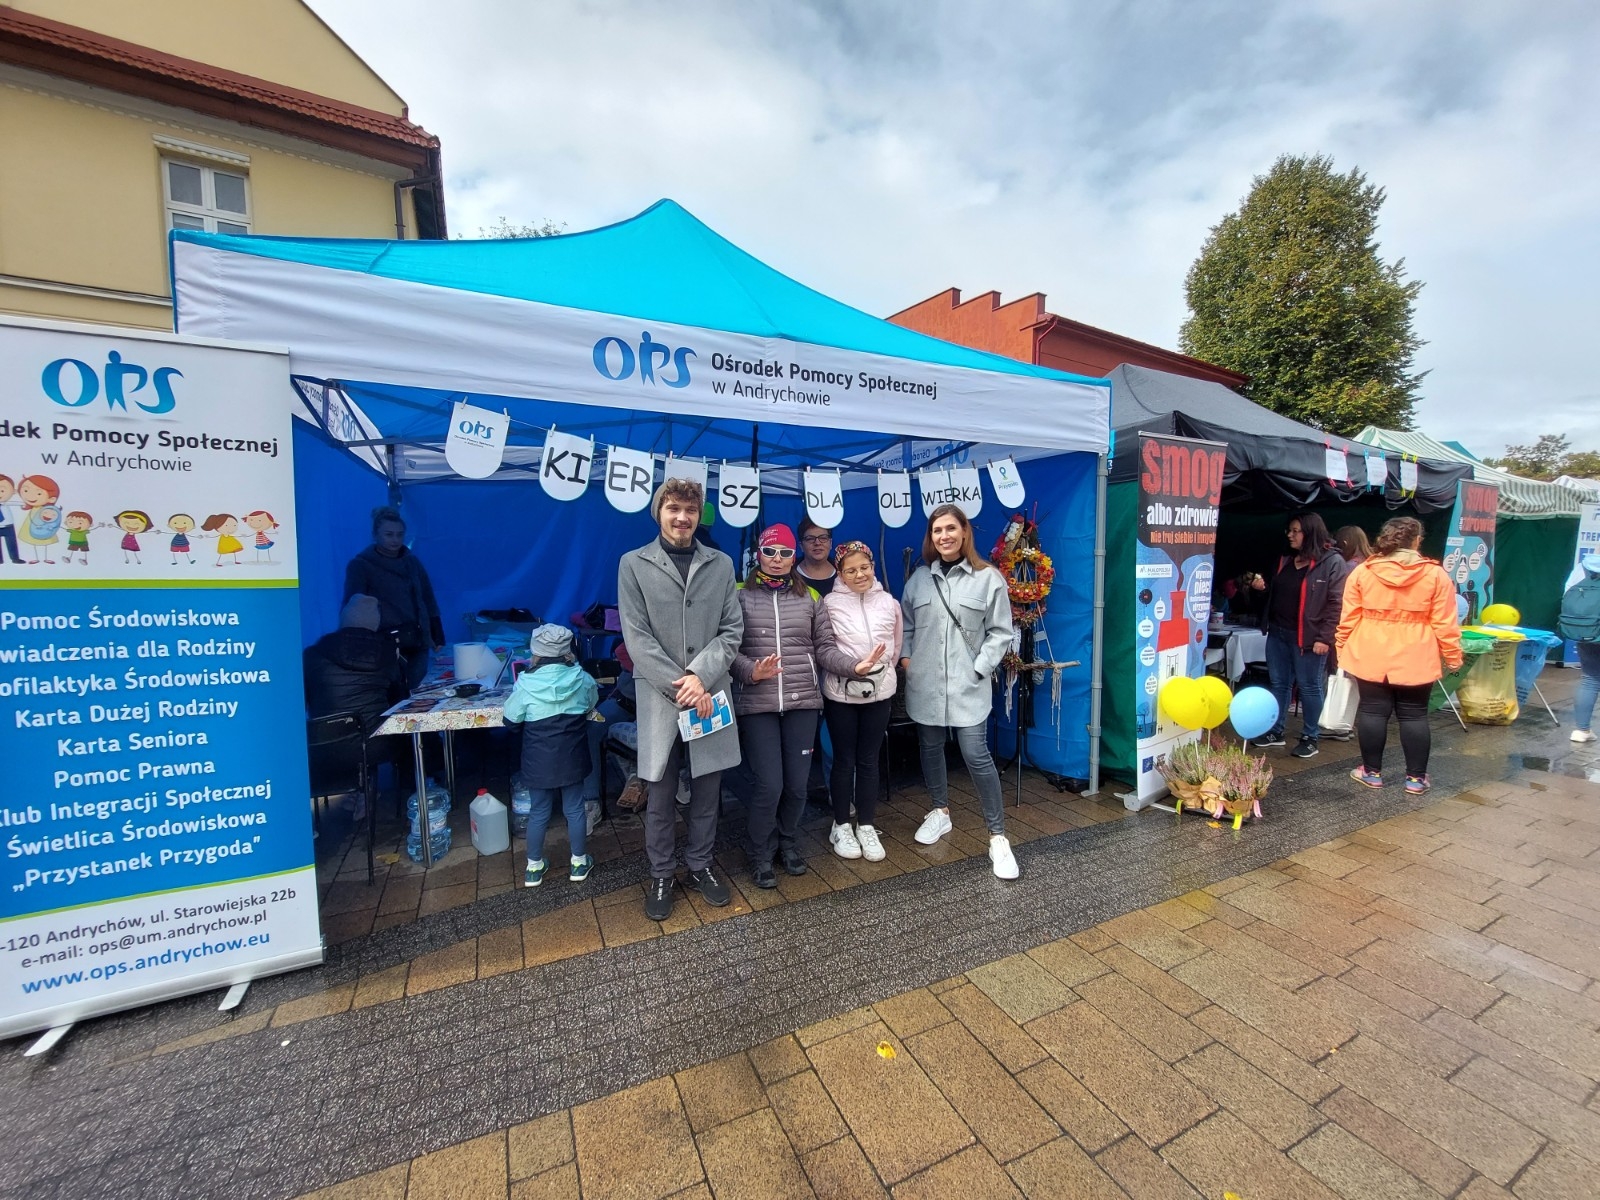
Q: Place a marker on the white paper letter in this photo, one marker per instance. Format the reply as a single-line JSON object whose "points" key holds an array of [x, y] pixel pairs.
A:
{"points": [[476, 441], [894, 498], [630, 478], [1007, 483], [824, 498], [738, 494], [565, 464]]}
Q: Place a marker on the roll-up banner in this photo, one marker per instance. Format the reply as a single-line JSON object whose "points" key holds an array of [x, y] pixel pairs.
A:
{"points": [[1469, 545], [156, 825], [1180, 491]]}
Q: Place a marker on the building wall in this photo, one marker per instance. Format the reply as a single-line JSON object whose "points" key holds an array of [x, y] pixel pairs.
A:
{"points": [[278, 40], [1024, 330], [82, 201]]}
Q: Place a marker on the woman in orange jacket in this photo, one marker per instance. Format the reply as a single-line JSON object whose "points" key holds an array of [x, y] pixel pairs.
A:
{"points": [[1399, 623]]}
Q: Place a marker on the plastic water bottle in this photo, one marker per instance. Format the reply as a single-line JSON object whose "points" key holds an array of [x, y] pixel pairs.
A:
{"points": [[438, 823], [521, 806], [488, 819]]}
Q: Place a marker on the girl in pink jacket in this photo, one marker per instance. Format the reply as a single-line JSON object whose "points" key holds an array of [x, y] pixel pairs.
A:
{"points": [[866, 627]]}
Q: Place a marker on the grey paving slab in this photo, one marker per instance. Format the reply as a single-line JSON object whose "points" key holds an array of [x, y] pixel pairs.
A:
{"points": [[278, 1111]]}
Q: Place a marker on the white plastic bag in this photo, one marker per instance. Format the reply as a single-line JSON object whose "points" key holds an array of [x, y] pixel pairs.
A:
{"points": [[1339, 704]]}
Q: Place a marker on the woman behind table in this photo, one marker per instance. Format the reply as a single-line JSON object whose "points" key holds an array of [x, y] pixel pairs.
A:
{"points": [[867, 627], [788, 642], [388, 570], [957, 626], [1302, 606], [816, 543], [1399, 622]]}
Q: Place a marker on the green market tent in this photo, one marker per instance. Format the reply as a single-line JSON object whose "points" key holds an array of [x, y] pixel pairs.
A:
{"points": [[1535, 534]]}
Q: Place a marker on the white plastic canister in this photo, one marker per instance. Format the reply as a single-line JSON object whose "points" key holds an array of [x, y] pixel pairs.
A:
{"points": [[490, 833]]}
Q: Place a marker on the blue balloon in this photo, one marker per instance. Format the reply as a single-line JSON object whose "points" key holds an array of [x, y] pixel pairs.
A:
{"points": [[1461, 607], [1254, 711]]}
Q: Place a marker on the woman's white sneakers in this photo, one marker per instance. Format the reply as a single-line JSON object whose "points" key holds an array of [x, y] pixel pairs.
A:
{"points": [[1005, 862], [934, 826], [1582, 735], [871, 847], [843, 840]]}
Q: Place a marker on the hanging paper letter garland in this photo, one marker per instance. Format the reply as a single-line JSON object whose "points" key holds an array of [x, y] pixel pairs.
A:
{"points": [[738, 494], [630, 478], [1337, 468], [966, 491], [1007, 483], [687, 468], [933, 485], [565, 464], [824, 498], [1377, 470], [894, 498], [476, 441]]}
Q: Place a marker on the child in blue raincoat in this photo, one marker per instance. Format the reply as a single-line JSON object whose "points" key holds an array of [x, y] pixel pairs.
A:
{"points": [[550, 704]]}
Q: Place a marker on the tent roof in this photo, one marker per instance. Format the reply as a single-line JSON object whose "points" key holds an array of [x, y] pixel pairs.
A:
{"points": [[657, 316], [1272, 459], [1519, 497]]}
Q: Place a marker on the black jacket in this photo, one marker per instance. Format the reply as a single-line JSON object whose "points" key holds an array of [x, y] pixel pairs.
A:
{"points": [[1321, 597], [555, 750], [402, 589], [352, 670]]}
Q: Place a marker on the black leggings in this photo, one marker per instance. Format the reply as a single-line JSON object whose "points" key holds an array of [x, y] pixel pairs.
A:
{"points": [[857, 731], [778, 748], [1409, 703]]}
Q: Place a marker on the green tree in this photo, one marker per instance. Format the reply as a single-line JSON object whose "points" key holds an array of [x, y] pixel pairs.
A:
{"points": [[1547, 458], [1290, 291], [503, 228]]}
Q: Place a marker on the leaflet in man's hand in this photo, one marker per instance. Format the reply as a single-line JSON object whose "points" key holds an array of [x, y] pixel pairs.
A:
{"points": [[692, 725]]}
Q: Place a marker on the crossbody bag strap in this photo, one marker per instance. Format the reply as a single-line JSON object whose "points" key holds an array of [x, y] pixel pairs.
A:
{"points": [[954, 620]]}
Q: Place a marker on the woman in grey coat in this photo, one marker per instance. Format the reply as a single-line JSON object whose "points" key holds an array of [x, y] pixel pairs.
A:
{"points": [[788, 644], [957, 628]]}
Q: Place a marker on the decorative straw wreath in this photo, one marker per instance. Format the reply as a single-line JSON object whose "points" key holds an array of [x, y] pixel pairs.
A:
{"points": [[1027, 570]]}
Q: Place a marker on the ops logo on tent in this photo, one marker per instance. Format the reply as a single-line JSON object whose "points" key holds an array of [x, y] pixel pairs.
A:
{"points": [[613, 352]]}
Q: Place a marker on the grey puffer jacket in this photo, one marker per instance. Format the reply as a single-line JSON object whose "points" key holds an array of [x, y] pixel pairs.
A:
{"points": [[795, 626]]}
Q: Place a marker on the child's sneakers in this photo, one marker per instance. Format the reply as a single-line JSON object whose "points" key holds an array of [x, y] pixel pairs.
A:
{"points": [[1417, 784], [843, 840], [534, 875], [582, 864], [1372, 779]]}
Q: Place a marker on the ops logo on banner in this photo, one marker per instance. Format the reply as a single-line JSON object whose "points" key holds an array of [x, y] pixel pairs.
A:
{"points": [[476, 443], [612, 352], [73, 383]]}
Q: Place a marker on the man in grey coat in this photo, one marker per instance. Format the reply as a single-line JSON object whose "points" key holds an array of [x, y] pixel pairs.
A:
{"points": [[682, 624]]}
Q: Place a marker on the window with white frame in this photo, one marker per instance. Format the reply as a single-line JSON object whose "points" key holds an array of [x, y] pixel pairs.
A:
{"points": [[208, 198]]}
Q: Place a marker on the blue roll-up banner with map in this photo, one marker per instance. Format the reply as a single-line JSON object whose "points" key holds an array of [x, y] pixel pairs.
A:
{"points": [[155, 830]]}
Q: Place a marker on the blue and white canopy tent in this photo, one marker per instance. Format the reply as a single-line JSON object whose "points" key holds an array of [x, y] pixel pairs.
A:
{"points": [[656, 335]]}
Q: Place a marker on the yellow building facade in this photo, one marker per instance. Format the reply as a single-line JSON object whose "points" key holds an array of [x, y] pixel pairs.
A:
{"points": [[120, 121]]}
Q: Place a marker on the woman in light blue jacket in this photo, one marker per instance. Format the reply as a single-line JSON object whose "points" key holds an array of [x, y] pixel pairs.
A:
{"points": [[957, 628]]}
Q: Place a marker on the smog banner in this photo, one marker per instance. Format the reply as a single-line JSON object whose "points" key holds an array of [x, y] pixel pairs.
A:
{"points": [[155, 834], [1469, 545], [1180, 490]]}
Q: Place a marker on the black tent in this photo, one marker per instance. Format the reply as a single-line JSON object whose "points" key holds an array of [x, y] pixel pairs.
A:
{"points": [[1273, 461]]}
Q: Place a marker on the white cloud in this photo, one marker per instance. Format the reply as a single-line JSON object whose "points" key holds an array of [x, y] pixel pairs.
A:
{"points": [[882, 152]]}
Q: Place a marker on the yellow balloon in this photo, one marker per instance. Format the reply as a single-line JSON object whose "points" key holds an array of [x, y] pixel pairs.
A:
{"points": [[1500, 614], [1218, 697], [1184, 703]]}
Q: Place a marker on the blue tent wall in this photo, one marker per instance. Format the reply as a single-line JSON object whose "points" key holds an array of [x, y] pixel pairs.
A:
{"points": [[498, 544], [334, 495]]}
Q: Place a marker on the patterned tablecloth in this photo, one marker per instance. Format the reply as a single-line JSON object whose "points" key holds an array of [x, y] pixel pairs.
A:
{"points": [[437, 713]]}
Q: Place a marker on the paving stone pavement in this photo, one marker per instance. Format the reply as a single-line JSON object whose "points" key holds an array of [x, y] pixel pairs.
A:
{"points": [[1363, 995]]}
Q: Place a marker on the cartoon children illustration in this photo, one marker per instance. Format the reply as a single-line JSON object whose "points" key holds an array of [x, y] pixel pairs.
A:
{"points": [[77, 526], [8, 523], [261, 521], [225, 526], [181, 525], [39, 495], [132, 522]]}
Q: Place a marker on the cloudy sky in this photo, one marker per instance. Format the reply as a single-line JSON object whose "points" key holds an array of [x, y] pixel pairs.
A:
{"points": [[883, 150]]}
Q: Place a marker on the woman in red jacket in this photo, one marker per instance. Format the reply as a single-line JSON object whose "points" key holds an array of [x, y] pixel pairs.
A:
{"points": [[1399, 623]]}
